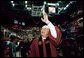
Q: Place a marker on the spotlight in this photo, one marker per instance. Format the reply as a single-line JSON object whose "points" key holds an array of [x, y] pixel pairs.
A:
{"points": [[44, 2], [28, 8], [25, 2], [12, 1], [25, 5], [13, 4]]}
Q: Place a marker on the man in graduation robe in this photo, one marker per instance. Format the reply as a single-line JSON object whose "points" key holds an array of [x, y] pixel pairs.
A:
{"points": [[45, 46]]}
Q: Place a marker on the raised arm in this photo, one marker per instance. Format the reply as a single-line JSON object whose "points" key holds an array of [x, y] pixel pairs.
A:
{"points": [[55, 33]]}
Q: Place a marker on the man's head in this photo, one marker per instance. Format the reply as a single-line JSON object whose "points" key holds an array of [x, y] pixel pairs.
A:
{"points": [[45, 31], [30, 36]]}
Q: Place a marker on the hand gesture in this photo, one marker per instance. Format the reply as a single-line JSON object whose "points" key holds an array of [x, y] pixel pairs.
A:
{"points": [[45, 17]]}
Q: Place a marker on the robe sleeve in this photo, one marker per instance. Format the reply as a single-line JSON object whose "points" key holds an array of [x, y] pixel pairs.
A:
{"points": [[52, 30], [56, 41]]}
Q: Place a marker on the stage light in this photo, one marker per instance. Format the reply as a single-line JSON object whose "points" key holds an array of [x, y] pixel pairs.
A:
{"points": [[66, 7], [28, 8], [25, 5], [13, 4], [71, 2], [12, 1], [25, 2], [52, 4], [44, 2]]}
